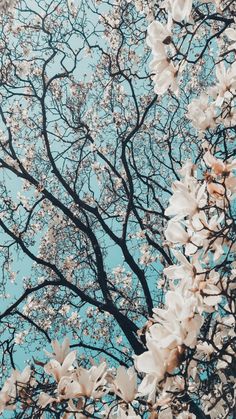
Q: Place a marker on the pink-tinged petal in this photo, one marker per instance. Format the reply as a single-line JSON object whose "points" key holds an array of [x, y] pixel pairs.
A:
{"points": [[68, 361], [45, 399]]}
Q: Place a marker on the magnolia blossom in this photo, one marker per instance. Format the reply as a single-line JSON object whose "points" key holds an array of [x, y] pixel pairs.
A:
{"points": [[226, 82], [158, 33], [181, 9], [59, 370], [176, 233], [91, 382], [125, 383], [45, 399], [122, 413], [231, 33], [164, 71], [202, 113], [15, 383], [7, 395], [165, 75], [176, 327], [178, 324], [185, 270], [59, 351], [186, 200], [222, 172]]}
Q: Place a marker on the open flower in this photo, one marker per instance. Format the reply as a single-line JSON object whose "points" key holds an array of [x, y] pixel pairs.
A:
{"points": [[181, 9], [153, 360], [45, 399], [58, 370], [176, 233], [15, 383], [157, 33], [91, 383], [186, 199], [125, 384], [226, 82], [59, 351], [231, 33], [202, 113]]}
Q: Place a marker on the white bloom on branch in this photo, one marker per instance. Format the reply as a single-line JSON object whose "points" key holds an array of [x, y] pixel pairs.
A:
{"points": [[158, 33], [91, 383], [125, 383], [226, 82], [59, 370], [231, 34], [176, 233], [181, 9], [186, 199], [202, 113], [59, 351]]}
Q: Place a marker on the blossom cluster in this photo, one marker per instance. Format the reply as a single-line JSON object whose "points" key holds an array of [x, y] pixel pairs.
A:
{"points": [[217, 105]]}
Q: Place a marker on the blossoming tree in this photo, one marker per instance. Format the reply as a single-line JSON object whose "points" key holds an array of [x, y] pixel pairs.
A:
{"points": [[118, 189]]}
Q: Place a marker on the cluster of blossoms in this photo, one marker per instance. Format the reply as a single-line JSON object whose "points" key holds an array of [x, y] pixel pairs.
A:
{"points": [[200, 232], [166, 67], [217, 105], [165, 73], [160, 40]]}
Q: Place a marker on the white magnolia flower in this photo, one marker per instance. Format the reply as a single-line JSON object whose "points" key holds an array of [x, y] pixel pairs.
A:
{"points": [[22, 378], [186, 199], [164, 72], [211, 294], [45, 399], [157, 33], [68, 388], [122, 413], [7, 395], [205, 348], [165, 413], [148, 387], [152, 361], [91, 383], [185, 270], [181, 9], [176, 233], [160, 61], [231, 33], [13, 385], [59, 351], [202, 113], [166, 79], [125, 383], [218, 166], [59, 370], [178, 324], [226, 82], [186, 415]]}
